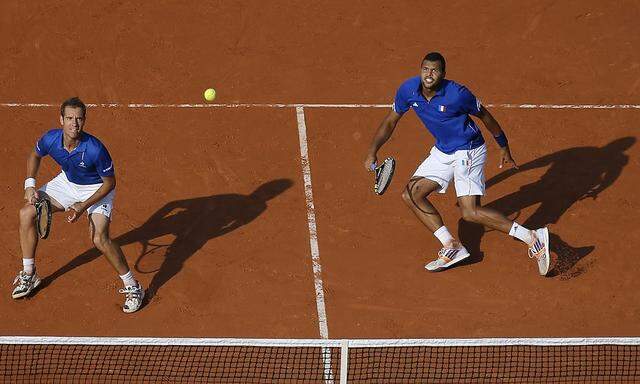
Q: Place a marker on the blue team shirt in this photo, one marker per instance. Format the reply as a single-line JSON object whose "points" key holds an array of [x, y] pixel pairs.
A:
{"points": [[446, 116], [86, 164]]}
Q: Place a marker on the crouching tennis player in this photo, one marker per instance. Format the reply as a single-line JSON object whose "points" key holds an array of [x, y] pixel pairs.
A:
{"points": [[87, 183], [459, 154]]}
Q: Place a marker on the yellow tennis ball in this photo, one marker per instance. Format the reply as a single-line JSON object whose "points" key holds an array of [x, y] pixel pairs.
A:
{"points": [[210, 94]]}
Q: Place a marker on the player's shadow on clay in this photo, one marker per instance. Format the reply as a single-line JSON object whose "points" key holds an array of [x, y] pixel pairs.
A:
{"points": [[574, 174], [189, 224]]}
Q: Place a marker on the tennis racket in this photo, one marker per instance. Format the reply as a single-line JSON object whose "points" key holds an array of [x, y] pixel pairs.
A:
{"points": [[43, 217], [383, 174]]}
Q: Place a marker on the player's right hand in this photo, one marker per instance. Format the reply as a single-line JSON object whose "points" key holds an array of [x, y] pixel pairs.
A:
{"points": [[370, 161], [31, 195]]}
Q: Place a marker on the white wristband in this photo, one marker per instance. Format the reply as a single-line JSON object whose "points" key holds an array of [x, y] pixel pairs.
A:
{"points": [[30, 183]]}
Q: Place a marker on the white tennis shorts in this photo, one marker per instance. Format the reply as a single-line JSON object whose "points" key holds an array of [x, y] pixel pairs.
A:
{"points": [[465, 167], [67, 193]]}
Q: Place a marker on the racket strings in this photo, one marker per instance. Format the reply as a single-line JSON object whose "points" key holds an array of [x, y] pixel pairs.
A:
{"points": [[384, 176], [43, 218]]}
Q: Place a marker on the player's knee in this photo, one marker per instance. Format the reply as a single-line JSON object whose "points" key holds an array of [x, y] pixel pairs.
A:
{"points": [[470, 215], [411, 195], [100, 240], [27, 214]]}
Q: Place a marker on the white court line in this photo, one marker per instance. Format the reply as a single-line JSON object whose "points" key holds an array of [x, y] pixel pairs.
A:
{"points": [[311, 217], [313, 241], [566, 106], [277, 105]]}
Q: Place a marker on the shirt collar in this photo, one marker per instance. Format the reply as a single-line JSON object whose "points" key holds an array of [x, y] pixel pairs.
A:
{"points": [[81, 146]]}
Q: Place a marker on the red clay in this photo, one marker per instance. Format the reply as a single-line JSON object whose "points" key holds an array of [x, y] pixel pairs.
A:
{"points": [[248, 272]]}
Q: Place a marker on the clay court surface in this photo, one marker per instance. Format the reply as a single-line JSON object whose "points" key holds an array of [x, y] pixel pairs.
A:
{"points": [[218, 193]]}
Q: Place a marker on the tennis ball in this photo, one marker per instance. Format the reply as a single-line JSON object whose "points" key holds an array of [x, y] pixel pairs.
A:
{"points": [[210, 94]]}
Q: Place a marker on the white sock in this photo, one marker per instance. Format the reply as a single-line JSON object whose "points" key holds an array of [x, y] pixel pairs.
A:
{"points": [[29, 265], [128, 279], [443, 235], [521, 233]]}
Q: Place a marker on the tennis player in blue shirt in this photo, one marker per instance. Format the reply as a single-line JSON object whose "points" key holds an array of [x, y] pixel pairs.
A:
{"points": [[459, 154], [86, 184]]}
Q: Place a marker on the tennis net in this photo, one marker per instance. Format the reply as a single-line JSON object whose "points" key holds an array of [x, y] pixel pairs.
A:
{"points": [[83, 359]]}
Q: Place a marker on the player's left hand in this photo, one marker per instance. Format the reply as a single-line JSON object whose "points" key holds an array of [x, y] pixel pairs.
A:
{"points": [[506, 158], [76, 211]]}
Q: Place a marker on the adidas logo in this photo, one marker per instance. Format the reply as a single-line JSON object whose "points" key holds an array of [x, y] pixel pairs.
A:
{"points": [[415, 104], [82, 164]]}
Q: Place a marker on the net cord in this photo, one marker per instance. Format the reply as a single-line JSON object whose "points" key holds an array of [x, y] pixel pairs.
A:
{"points": [[328, 343]]}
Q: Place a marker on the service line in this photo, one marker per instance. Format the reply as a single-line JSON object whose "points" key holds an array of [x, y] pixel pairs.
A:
{"points": [[285, 105]]}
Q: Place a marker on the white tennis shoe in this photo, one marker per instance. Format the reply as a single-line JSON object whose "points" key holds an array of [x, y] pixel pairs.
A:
{"points": [[447, 257], [133, 298], [24, 284], [539, 249]]}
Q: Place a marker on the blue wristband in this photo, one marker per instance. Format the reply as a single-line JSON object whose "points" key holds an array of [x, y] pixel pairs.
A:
{"points": [[501, 139]]}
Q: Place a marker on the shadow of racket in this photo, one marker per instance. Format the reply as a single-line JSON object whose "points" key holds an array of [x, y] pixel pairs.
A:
{"points": [[151, 257]]}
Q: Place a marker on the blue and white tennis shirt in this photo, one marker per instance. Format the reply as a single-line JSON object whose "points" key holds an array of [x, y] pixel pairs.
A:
{"points": [[446, 116], [85, 165]]}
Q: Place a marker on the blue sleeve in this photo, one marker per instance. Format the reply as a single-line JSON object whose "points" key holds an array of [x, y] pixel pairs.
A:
{"points": [[470, 103], [43, 144], [401, 103], [104, 163]]}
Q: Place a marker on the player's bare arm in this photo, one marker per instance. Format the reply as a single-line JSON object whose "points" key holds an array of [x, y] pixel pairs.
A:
{"points": [[33, 164], [493, 126], [382, 135], [108, 184]]}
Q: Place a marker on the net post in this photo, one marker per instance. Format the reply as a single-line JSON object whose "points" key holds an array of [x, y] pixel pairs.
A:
{"points": [[344, 361]]}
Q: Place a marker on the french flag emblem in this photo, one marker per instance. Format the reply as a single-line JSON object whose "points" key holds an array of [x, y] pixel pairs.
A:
{"points": [[442, 108]]}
